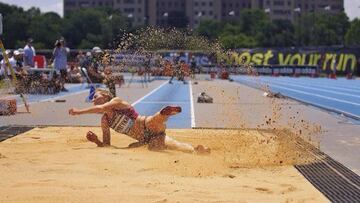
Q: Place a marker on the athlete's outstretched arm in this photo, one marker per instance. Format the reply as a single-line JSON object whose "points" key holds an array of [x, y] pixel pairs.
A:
{"points": [[113, 104]]}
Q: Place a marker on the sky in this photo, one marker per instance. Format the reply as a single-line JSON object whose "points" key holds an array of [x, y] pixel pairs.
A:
{"points": [[352, 7]]}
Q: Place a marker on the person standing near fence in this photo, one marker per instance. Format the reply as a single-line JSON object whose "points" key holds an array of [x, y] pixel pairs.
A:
{"points": [[12, 61], [175, 67], [29, 53], [60, 62], [96, 66], [147, 66], [193, 66], [23, 80]]}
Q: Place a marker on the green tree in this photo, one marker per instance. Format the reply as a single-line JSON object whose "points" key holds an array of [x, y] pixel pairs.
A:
{"points": [[104, 27], [81, 25], [352, 37], [33, 12], [118, 25], [15, 25], [231, 29], [321, 29], [334, 28], [237, 41], [252, 27], [45, 28], [93, 27], [278, 33], [210, 29], [252, 20]]}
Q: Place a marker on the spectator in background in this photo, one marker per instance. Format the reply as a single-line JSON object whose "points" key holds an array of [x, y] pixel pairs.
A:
{"points": [[87, 61], [20, 59], [176, 72], [60, 62], [109, 81], [81, 59], [193, 66], [23, 80], [74, 75], [18, 56], [21, 50], [85, 66], [95, 68], [29, 53], [147, 66], [167, 70], [157, 66], [4, 67], [96, 61], [183, 71]]}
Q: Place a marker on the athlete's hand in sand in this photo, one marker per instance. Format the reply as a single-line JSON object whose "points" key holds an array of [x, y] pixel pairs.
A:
{"points": [[73, 112]]}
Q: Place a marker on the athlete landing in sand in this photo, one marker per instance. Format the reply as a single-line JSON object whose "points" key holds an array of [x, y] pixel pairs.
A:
{"points": [[122, 117]]}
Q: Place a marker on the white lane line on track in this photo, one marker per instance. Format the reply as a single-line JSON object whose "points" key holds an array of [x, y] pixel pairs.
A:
{"points": [[162, 102], [340, 84], [193, 125], [308, 102], [321, 86], [316, 95], [148, 94], [311, 88]]}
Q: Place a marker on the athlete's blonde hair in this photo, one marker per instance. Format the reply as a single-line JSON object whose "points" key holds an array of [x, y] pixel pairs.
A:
{"points": [[104, 92]]}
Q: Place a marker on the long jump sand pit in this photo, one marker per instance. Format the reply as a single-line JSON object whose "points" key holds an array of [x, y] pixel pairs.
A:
{"points": [[58, 164]]}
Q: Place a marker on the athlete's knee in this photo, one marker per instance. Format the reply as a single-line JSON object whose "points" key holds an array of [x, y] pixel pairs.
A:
{"points": [[156, 122], [157, 127]]}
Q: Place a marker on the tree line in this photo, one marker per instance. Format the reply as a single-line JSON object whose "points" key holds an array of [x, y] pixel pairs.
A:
{"points": [[82, 29], [102, 27], [255, 29]]}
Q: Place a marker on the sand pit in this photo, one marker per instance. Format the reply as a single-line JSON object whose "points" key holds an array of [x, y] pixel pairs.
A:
{"points": [[57, 164]]}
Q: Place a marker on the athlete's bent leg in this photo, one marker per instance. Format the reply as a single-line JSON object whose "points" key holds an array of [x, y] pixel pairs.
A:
{"points": [[173, 144], [105, 130]]}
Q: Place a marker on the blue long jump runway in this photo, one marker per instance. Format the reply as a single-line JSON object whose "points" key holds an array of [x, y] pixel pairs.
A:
{"points": [[341, 95], [177, 94]]}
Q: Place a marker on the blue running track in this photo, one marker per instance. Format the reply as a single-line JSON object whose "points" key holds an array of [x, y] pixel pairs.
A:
{"points": [[177, 94], [341, 95]]}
